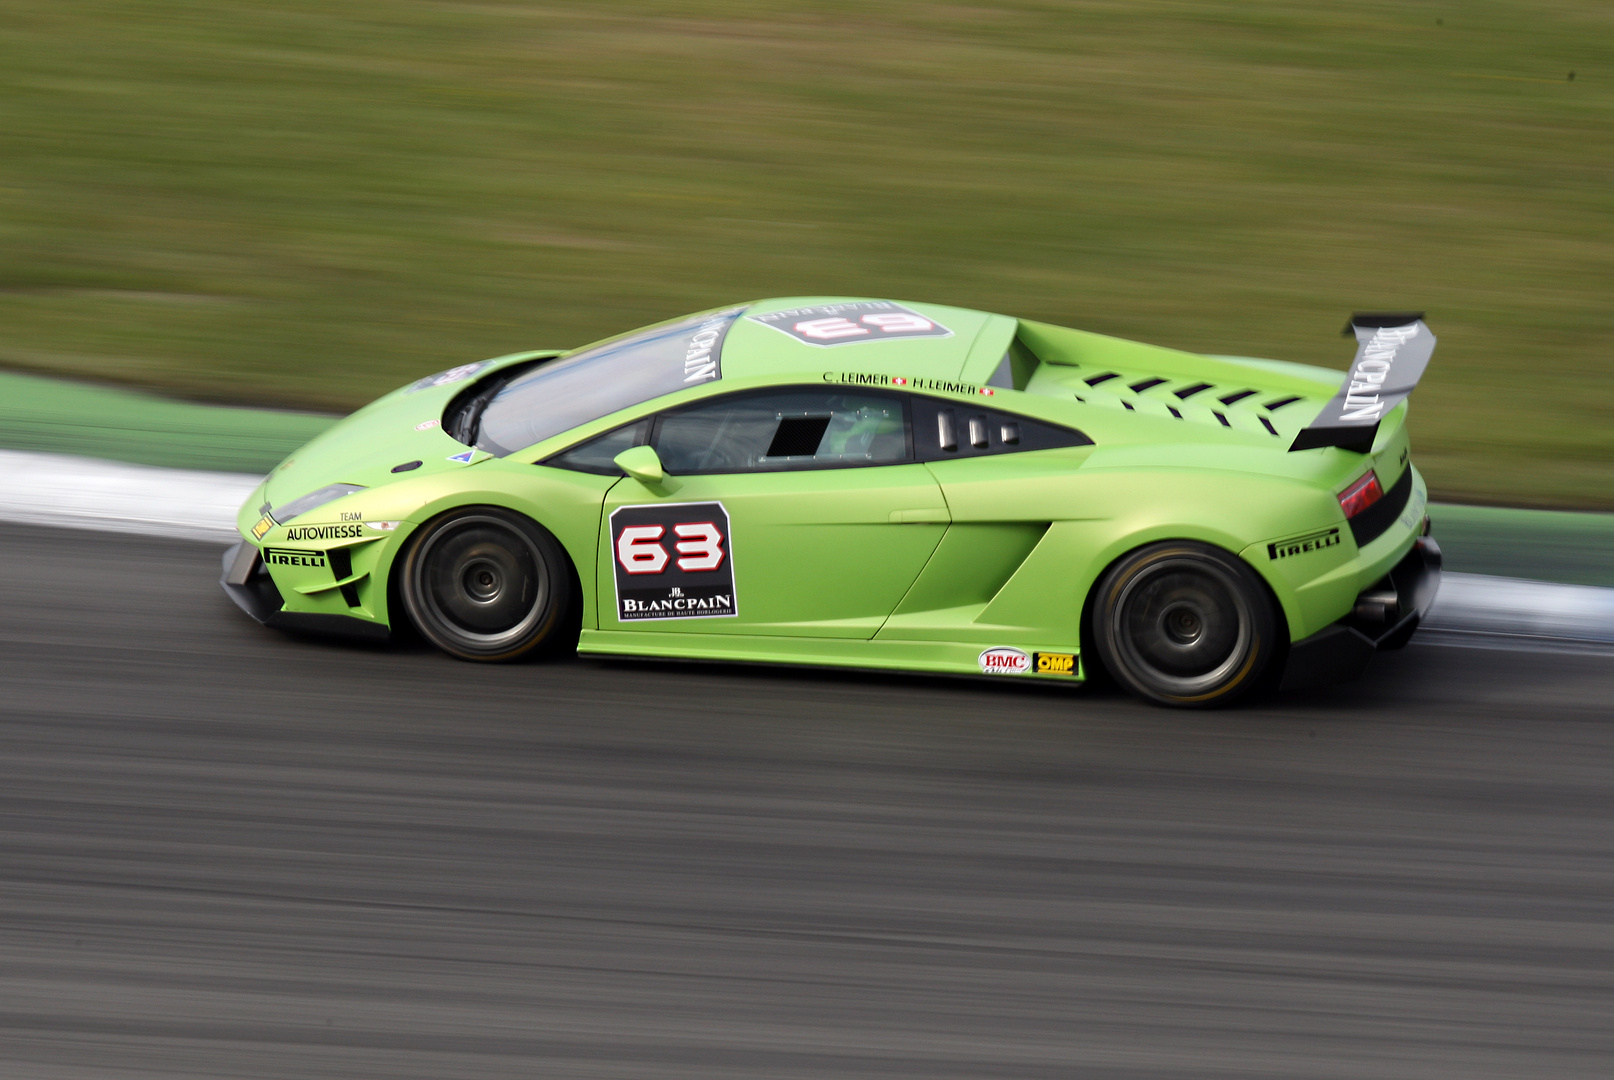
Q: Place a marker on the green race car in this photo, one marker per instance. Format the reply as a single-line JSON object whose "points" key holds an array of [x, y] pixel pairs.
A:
{"points": [[866, 483]]}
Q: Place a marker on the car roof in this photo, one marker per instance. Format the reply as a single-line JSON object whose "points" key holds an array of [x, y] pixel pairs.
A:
{"points": [[759, 346]]}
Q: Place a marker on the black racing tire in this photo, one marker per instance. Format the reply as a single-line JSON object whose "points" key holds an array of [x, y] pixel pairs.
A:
{"points": [[487, 584], [1185, 624]]}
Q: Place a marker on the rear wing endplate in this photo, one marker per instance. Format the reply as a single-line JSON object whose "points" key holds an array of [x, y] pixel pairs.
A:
{"points": [[1391, 352]]}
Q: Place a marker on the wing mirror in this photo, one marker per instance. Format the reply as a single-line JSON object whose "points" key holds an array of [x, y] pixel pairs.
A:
{"points": [[642, 464]]}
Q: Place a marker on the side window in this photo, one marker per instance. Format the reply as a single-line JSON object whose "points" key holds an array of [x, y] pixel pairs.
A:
{"points": [[945, 429], [598, 455], [783, 429]]}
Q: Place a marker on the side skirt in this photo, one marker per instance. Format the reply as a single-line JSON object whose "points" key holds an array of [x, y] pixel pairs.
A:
{"points": [[939, 657]]}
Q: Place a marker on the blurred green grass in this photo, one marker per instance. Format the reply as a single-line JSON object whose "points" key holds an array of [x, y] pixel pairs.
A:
{"points": [[308, 203]]}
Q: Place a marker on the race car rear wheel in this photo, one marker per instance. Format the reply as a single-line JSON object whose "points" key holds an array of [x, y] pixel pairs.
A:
{"points": [[486, 584], [1183, 623]]}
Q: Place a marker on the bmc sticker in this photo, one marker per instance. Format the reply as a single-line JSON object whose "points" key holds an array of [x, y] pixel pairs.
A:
{"points": [[1003, 661], [854, 321], [672, 562], [1055, 663], [1301, 545]]}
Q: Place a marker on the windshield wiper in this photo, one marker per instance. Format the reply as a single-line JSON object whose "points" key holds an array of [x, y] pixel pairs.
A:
{"points": [[462, 420]]}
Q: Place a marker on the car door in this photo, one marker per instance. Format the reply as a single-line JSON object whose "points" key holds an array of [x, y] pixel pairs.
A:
{"points": [[794, 511]]}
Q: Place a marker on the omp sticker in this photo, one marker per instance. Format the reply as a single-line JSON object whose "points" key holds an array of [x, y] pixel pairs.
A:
{"points": [[851, 322], [452, 375], [673, 561], [383, 526], [290, 557], [427, 425], [1303, 544], [1005, 661], [464, 458], [1055, 663]]}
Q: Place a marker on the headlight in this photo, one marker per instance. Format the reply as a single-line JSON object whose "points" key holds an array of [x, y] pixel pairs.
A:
{"points": [[328, 493]]}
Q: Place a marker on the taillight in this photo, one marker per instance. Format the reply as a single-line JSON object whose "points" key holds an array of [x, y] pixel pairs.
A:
{"points": [[1361, 495]]}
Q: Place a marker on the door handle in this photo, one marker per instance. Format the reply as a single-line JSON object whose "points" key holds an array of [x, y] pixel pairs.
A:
{"points": [[936, 515]]}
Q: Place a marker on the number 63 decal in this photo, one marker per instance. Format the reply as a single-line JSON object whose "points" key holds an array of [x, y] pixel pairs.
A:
{"points": [[851, 321], [640, 550], [672, 561]]}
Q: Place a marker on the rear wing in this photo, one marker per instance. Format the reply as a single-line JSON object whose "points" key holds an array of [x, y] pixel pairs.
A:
{"points": [[1392, 351]]}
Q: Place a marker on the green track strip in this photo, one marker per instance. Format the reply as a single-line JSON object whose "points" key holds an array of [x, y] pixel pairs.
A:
{"points": [[1543, 545], [126, 425]]}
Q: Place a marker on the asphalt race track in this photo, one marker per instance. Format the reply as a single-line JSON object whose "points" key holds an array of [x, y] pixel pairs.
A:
{"points": [[228, 853]]}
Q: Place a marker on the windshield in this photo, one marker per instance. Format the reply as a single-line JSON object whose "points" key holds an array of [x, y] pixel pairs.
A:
{"points": [[558, 396]]}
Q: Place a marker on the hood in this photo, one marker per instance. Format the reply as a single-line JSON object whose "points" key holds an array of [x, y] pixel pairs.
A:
{"points": [[404, 427]]}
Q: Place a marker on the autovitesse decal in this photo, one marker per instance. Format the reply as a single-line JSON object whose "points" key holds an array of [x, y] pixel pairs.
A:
{"points": [[324, 532], [906, 382], [673, 561], [849, 323], [1300, 545], [1054, 663], [291, 557]]}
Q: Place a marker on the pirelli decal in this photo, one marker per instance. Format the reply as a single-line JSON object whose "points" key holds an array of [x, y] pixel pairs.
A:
{"points": [[1303, 544], [293, 557]]}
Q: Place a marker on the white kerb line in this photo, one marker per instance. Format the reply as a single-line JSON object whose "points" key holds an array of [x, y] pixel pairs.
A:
{"points": [[88, 493]]}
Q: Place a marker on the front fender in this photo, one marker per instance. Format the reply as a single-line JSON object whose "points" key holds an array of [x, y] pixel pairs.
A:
{"points": [[371, 528]]}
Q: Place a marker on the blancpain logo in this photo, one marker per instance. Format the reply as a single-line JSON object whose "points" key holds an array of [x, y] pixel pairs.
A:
{"points": [[1363, 401], [717, 604], [699, 363]]}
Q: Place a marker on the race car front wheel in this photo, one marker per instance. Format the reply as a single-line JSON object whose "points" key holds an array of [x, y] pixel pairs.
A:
{"points": [[1183, 623], [486, 584]]}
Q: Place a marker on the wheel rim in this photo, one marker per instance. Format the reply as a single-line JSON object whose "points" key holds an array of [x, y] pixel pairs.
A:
{"points": [[1184, 624], [481, 583]]}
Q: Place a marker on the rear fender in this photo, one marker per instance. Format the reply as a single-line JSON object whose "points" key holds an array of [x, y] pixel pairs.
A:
{"points": [[564, 502], [1103, 518]]}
